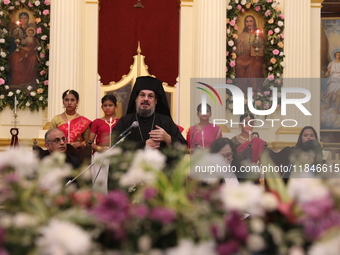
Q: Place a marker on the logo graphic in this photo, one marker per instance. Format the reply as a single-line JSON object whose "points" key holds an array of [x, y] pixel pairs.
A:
{"points": [[204, 99]]}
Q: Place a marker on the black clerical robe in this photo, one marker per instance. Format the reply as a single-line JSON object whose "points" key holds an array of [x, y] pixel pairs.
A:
{"points": [[141, 133]]}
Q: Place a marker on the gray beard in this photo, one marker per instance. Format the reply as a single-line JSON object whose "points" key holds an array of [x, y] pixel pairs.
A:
{"points": [[145, 113]]}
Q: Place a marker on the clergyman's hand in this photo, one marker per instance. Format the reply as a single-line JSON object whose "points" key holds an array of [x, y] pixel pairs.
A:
{"points": [[160, 135]]}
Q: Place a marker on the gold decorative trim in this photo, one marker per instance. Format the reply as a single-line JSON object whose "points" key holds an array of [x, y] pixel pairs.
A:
{"points": [[4, 142], [90, 2], [277, 146], [288, 131], [188, 1], [224, 128], [185, 5], [316, 1]]}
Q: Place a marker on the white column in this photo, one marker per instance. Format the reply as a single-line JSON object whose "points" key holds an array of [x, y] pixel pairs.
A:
{"points": [[210, 48], [315, 87], [65, 40], [297, 50], [186, 41]]}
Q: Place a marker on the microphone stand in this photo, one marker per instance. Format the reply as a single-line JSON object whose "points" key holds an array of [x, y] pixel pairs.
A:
{"points": [[119, 141]]}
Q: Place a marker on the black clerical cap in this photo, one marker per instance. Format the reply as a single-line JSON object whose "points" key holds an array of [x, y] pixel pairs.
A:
{"points": [[149, 83]]}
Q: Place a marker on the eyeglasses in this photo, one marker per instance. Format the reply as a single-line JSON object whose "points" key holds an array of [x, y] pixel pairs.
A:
{"points": [[58, 140], [228, 155]]}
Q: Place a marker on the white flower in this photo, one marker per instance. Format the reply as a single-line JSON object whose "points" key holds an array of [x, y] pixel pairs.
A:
{"points": [[27, 104], [53, 180], [3, 54], [39, 48], [145, 163], [44, 37], [24, 220], [296, 250], [274, 5], [272, 41], [5, 30], [22, 160], [144, 243], [33, 93], [23, 1], [2, 68], [47, 63], [29, 88], [187, 246], [6, 87], [257, 225], [41, 98], [277, 74], [228, 31], [234, 49], [18, 91], [2, 40], [61, 237], [255, 243], [229, 7], [281, 53], [1, 13], [231, 43], [269, 202], [236, 1], [37, 81], [10, 94], [270, 68], [243, 2], [283, 64], [327, 246], [277, 30], [2, 96], [280, 23], [245, 197], [11, 8], [37, 3], [307, 189]]}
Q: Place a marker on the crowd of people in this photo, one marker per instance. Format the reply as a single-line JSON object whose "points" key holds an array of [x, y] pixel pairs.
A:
{"points": [[148, 123]]}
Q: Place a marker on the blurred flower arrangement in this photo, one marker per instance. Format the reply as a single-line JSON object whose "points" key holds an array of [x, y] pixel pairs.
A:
{"points": [[33, 96], [151, 211], [273, 48]]}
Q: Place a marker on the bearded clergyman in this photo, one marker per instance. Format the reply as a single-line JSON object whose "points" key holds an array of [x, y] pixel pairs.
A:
{"points": [[148, 106]]}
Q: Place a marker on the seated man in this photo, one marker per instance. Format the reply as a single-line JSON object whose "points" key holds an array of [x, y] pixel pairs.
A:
{"points": [[149, 107], [55, 141]]}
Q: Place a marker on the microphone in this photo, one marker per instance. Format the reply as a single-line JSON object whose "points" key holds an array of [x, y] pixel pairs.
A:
{"points": [[133, 125]]}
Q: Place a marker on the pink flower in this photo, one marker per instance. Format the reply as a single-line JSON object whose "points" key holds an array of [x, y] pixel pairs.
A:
{"points": [[282, 36], [267, 13], [270, 32], [227, 53], [257, 8], [46, 12], [269, 1], [30, 4], [266, 93], [2, 81], [242, 10], [42, 72], [7, 2], [271, 77], [163, 215], [42, 55], [229, 81], [239, 7], [140, 211], [236, 27], [46, 82], [232, 22], [150, 193], [47, 2], [39, 30], [281, 16], [232, 63], [266, 106], [276, 52]]}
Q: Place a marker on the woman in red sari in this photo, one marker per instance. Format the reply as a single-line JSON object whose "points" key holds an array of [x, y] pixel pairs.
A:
{"points": [[75, 127], [204, 133]]}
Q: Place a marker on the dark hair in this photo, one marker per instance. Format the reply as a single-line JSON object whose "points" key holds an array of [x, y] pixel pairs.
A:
{"points": [[244, 22], [24, 14], [219, 143], [111, 98], [71, 91], [199, 107], [246, 115], [314, 146], [299, 141]]}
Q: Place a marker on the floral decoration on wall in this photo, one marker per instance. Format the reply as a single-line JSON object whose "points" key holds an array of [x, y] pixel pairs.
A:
{"points": [[33, 96], [273, 48]]}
